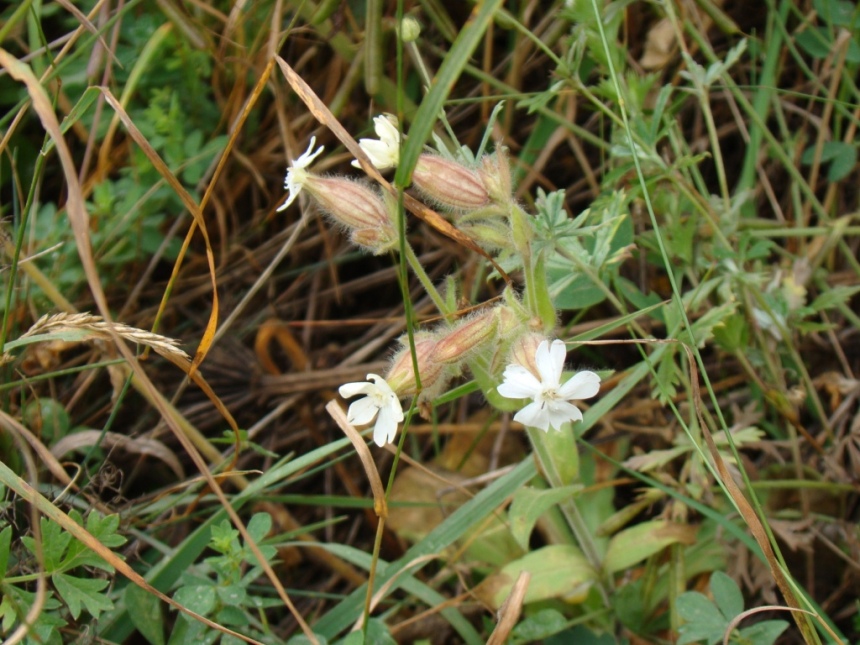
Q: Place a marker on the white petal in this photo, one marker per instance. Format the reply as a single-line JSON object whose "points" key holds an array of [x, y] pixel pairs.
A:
{"points": [[550, 362], [386, 425], [381, 384], [534, 415], [582, 385], [386, 130], [560, 412], [362, 411], [519, 383], [307, 156], [349, 390]]}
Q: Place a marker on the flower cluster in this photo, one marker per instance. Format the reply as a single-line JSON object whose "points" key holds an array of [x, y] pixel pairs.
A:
{"points": [[477, 196]]}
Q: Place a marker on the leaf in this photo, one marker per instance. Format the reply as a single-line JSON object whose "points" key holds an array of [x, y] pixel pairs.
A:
{"points": [[702, 620], [839, 13], [104, 530], [78, 592], [5, 544], [557, 571], [259, 526], [633, 545], [764, 633], [842, 163], [538, 626], [55, 541], [529, 504], [833, 297], [198, 598], [841, 156], [726, 594], [146, 613], [816, 41]]}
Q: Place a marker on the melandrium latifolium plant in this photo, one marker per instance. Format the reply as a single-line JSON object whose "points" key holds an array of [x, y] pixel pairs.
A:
{"points": [[509, 346]]}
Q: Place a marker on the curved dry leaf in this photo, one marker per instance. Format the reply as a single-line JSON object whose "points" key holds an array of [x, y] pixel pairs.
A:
{"points": [[138, 445]]}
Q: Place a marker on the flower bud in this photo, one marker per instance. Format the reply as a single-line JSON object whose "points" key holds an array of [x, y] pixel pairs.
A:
{"points": [[496, 174], [410, 29], [450, 184], [492, 236], [467, 336], [401, 375], [358, 208], [524, 349]]}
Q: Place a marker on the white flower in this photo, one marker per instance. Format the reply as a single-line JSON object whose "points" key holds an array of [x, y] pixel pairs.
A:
{"points": [[381, 399], [384, 152], [297, 175], [550, 406]]}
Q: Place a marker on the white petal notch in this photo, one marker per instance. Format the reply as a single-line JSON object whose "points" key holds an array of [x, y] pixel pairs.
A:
{"points": [[297, 175]]}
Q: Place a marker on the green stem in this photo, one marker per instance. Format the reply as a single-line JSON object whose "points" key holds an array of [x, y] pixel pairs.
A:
{"points": [[553, 473], [425, 280]]}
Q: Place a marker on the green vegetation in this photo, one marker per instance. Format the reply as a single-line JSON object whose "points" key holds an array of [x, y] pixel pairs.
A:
{"points": [[570, 356]]}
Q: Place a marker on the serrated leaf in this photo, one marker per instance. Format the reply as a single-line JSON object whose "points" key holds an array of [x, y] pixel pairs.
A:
{"points": [[631, 546], [726, 594], [80, 592], [529, 504], [833, 297], [702, 620], [55, 541], [146, 612]]}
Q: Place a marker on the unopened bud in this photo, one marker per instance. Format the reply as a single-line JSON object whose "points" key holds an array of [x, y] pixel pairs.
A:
{"points": [[466, 337], [496, 175], [491, 235], [523, 352], [410, 29], [357, 207], [449, 183], [401, 376]]}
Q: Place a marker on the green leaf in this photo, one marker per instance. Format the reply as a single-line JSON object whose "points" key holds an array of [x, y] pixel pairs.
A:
{"points": [[146, 612], [538, 626], [78, 592], [529, 504], [453, 528], [5, 544], [840, 13], [259, 526], [816, 41], [557, 571], [702, 620], [834, 297], [55, 541], [843, 162], [633, 545], [764, 633], [726, 594], [198, 598], [301, 639]]}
